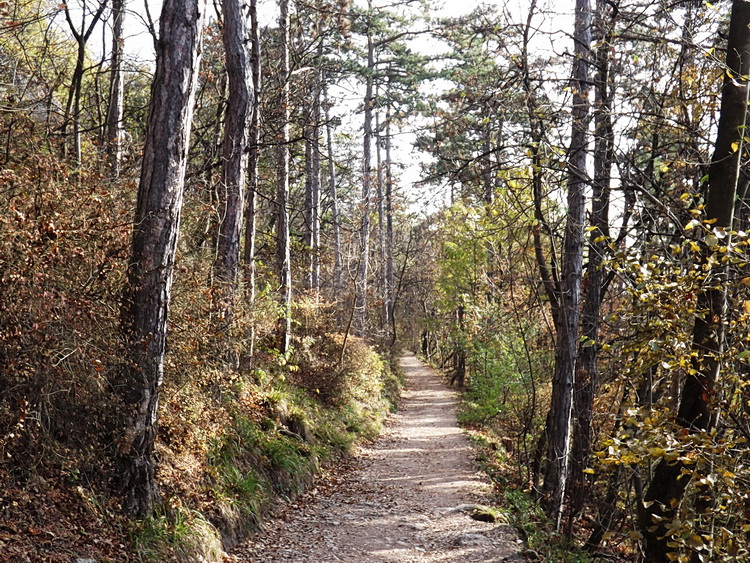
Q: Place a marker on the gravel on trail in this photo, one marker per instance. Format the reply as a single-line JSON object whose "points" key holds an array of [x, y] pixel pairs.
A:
{"points": [[407, 497]]}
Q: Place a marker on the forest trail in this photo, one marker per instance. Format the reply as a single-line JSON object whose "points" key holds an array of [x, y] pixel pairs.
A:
{"points": [[404, 500]]}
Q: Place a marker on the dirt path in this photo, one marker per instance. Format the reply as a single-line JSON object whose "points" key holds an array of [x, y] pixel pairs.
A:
{"points": [[404, 501]]}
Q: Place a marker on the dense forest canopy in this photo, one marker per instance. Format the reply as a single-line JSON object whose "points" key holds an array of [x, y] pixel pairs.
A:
{"points": [[204, 258]]}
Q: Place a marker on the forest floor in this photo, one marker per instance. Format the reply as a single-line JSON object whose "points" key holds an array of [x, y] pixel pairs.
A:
{"points": [[407, 497]]}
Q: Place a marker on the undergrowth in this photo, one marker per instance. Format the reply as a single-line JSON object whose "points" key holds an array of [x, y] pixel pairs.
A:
{"points": [[237, 429], [277, 431], [498, 413], [525, 513]]}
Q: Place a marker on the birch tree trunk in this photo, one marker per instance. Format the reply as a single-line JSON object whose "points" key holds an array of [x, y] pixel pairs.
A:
{"points": [[146, 299]]}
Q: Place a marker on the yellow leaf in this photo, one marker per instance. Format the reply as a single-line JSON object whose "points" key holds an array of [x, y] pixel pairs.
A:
{"points": [[735, 146], [746, 281]]}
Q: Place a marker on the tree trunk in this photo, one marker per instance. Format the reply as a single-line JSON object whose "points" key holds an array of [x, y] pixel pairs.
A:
{"points": [[360, 295], [283, 250], [586, 372], [338, 267], [382, 271], [566, 348], [76, 84], [253, 156], [156, 226], [459, 375], [390, 279], [312, 182], [315, 218], [307, 211], [697, 411], [252, 166], [234, 158], [113, 126], [547, 272]]}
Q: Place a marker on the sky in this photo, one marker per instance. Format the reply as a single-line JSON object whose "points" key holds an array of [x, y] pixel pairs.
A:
{"points": [[139, 46], [138, 41]]}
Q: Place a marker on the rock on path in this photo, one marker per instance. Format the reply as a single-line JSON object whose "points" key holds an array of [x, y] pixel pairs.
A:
{"points": [[401, 502]]}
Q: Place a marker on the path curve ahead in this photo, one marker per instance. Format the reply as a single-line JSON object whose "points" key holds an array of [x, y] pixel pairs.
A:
{"points": [[402, 502]]}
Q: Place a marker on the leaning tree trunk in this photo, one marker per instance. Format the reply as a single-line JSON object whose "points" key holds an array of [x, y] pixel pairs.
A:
{"points": [[156, 226], [283, 250], [698, 411], [566, 348], [234, 158], [113, 126]]}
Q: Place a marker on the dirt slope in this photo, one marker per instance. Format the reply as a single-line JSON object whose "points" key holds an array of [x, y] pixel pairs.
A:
{"points": [[405, 500]]}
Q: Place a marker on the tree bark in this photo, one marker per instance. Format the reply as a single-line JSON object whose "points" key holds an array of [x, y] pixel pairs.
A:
{"points": [[697, 411], [382, 270], [586, 372], [253, 157], [547, 272], [390, 276], [315, 218], [312, 180], [113, 124], [338, 267], [234, 158], [283, 250], [566, 348], [146, 299], [73, 103], [459, 375], [360, 295]]}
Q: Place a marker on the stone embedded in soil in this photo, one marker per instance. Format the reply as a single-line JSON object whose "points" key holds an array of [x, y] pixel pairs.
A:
{"points": [[471, 540]]}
